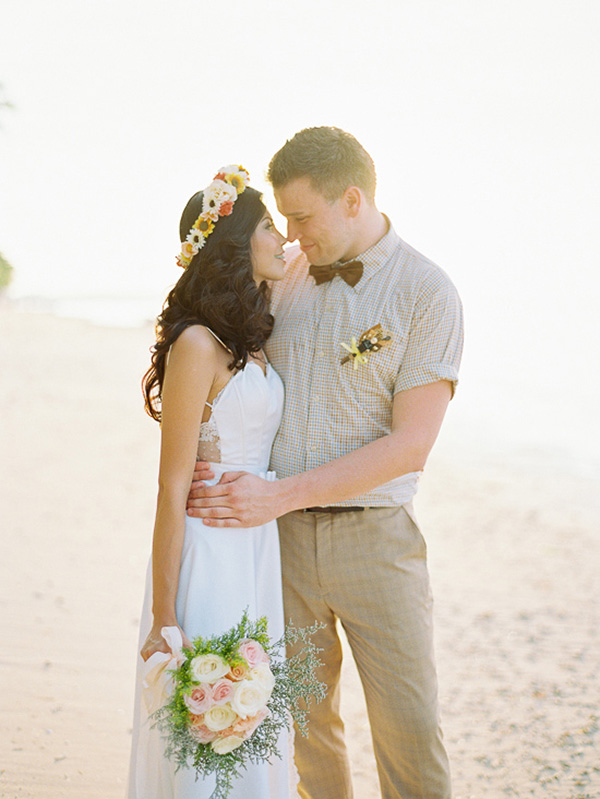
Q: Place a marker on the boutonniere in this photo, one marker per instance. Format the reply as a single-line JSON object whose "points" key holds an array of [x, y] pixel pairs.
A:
{"points": [[370, 341]]}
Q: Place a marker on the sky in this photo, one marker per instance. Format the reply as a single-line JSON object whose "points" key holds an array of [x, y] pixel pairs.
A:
{"points": [[482, 118]]}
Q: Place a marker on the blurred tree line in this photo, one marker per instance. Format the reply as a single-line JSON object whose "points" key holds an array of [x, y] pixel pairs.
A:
{"points": [[6, 270]]}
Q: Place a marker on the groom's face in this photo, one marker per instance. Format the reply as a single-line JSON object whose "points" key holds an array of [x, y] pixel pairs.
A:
{"points": [[321, 226]]}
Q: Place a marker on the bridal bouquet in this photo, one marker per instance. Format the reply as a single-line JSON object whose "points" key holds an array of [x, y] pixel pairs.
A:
{"points": [[228, 697]]}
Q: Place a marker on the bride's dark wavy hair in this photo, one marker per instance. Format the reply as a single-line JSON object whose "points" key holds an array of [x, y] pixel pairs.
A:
{"points": [[217, 290]]}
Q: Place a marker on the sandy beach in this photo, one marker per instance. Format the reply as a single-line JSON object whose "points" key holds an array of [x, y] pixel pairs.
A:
{"points": [[514, 548]]}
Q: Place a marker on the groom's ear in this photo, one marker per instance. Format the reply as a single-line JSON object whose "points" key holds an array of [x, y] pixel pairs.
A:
{"points": [[352, 201]]}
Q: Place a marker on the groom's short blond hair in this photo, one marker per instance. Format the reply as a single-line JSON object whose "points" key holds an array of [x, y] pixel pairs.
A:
{"points": [[332, 159]]}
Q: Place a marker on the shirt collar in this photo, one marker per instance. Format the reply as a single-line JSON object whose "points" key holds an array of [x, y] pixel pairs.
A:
{"points": [[377, 255]]}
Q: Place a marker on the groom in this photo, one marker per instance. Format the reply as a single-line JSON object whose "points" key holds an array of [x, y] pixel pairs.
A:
{"points": [[367, 339]]}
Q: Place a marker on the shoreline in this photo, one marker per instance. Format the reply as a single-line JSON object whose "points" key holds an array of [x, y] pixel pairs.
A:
{"points": [[466, 435], [513, 555]]}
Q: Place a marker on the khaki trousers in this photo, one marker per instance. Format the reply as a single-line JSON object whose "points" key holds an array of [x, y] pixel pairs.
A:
{"points": [[369, 570]]}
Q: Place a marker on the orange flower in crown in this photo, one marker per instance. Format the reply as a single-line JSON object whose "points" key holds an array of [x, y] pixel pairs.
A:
{"points": [[218, 201]]}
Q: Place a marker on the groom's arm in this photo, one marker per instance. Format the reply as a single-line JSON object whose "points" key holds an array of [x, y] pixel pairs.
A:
{"points": [[248, 501]]}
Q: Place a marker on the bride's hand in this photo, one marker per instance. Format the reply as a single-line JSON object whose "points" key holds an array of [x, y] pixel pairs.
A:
{"points": [[156, 643]]}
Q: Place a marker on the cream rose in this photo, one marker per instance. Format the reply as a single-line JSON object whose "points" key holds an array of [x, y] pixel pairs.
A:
{"points": [[263, 675], [208, 668], [224, 745], [219, 717], [250, 696]]}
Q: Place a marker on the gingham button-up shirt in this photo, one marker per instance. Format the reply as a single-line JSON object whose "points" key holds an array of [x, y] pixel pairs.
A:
{"points": [[331, 408]]}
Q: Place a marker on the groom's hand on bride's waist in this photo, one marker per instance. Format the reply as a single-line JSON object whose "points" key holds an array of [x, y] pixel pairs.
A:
{"points": [[239, 499], [202, 471]]}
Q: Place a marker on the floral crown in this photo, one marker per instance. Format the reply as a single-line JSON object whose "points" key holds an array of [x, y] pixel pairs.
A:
{"points": [[218, 200]]}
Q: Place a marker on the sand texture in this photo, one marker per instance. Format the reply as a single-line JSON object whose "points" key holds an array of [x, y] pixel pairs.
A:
{"points": [[514, 553]]}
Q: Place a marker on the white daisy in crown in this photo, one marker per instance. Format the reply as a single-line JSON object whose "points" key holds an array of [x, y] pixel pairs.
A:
{"points": [[196, 239]]}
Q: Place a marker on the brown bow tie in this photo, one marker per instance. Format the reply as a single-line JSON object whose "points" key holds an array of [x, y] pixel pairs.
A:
{"points": [[350, 272]]}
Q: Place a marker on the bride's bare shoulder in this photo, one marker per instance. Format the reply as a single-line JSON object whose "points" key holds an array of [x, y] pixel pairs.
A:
{"points": [[196, 341]]}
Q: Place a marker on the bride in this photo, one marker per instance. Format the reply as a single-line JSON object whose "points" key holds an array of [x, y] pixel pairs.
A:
{"points": [[217, 400]]}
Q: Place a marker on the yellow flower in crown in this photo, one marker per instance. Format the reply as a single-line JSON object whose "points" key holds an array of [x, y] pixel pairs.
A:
{"points": [[203, 225], [372, 340], [218, 201]]}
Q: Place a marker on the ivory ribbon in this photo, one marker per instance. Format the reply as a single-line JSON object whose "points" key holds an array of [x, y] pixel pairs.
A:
{"points": [[157, 679]]}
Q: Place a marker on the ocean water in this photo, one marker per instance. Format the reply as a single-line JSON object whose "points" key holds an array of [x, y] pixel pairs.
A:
{"points": [[516, 404], [104, 310]]}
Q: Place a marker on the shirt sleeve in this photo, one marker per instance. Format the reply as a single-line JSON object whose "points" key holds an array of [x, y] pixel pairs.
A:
{"points": [[436, 335]]}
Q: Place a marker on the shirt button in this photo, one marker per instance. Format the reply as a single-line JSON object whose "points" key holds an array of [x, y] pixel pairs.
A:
{"points": [[313, 448], [316, 398], [320, 354]]}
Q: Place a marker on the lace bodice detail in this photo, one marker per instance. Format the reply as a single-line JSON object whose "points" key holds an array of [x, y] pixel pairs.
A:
{"points": [[245, 416], [209, 443]]}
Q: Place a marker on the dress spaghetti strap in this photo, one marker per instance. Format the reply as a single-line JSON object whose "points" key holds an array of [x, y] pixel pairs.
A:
{"points": [[222, 343], [212, 332]]}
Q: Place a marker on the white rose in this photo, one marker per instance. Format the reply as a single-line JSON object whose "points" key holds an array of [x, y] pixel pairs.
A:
{"points": [[223, 745], [208, 668], [217, 193], [219, 717], [230, 169], [250, 696], [263, 675]]}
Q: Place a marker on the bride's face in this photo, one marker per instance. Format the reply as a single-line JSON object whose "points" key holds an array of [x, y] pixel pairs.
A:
{"points": [[266, 251]]}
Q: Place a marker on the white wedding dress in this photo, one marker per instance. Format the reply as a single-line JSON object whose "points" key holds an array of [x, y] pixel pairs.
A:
{"points": [[223, 571]]}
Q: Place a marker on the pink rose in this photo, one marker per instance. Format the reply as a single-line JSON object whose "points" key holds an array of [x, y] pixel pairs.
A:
{"points": [[200, 700], [200, 732], [238, 672], [222, 691], [252, 652], [245, 727]]}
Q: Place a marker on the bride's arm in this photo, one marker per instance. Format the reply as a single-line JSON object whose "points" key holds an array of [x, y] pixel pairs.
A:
{"points": [[188, 377]]}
